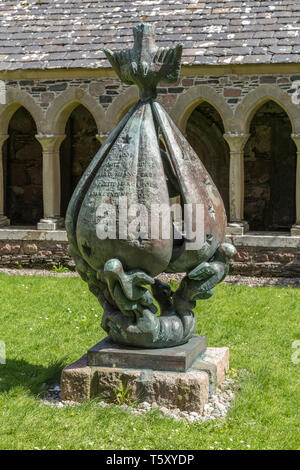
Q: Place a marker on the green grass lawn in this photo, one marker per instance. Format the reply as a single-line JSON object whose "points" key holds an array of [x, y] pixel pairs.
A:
{"points": [[46, 323]]}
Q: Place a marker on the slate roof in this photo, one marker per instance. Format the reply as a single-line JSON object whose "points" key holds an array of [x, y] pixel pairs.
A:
{"points": [[46, 34]]}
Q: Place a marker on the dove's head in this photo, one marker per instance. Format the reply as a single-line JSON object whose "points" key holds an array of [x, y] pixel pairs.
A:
{"points": [[144, 33]]}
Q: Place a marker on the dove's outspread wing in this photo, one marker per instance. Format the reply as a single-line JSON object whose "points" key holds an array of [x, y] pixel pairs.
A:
{"points": [[120, 62], [167, 61], [146, 64]]}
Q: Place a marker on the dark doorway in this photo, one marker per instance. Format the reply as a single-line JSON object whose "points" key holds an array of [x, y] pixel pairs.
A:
{"points": [[76, 151], [23, 167], [270, 171], [205, 134]]}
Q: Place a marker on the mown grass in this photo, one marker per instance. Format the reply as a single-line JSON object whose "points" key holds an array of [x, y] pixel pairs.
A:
{"points": [[46, 323]]}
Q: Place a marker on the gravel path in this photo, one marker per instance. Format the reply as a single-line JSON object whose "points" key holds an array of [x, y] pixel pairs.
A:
{"points": [[243, 280]]}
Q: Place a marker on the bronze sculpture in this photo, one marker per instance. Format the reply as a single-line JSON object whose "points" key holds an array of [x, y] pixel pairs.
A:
{"points": [[131, 165]]}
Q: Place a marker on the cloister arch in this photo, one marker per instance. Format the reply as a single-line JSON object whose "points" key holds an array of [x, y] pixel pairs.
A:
{"points": [[76, 151], [204, 131], [192, 98], [22, 170], [120, 106], [125, 110], [270, 158], [14, 99], [61, 108], [257, 98]]}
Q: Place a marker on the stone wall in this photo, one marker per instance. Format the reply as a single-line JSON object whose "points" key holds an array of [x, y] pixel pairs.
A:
{"points": [[269, 262], [111, 96], [51, 102], [232, 87], [83, 108], [34, 254], [250, 260]]}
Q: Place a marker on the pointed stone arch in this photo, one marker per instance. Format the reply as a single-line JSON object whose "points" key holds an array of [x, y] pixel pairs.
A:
{"points": [[194, 96], [77, 150], [257, 98], [120, 106], [270, 159], [205, 133], [15, 98], [23, 163], [61, 108]]}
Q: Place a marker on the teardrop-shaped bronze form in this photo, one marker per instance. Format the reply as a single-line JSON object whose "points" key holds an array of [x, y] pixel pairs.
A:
{"points": [[119, 222], [196, 188], [132, 173]]}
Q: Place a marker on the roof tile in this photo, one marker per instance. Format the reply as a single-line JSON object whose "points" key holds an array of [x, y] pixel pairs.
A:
{"points": [[70, 33]]}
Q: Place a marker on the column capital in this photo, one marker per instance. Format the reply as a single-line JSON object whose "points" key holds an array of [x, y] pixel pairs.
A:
{"points": [[236, 142], [50, 142], [101, 137], [296, 139], [3, 138]]}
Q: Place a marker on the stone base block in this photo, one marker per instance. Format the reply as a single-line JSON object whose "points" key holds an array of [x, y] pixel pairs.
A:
{"points": [[215, 361], [295, 231], [237, 228], [4, 221], [50, 224], [187, 391], [77, 380]]}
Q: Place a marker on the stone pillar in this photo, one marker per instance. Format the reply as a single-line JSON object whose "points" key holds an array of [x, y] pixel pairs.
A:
{"points": [[3, 219], [295, 230], [237, 225], [51, 181]]}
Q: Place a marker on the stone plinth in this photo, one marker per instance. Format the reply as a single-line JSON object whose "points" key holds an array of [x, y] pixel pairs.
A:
{"points": [[187, 390], [295, 231], [237, 228], [50, 224], [4, 221], [177, 359]]}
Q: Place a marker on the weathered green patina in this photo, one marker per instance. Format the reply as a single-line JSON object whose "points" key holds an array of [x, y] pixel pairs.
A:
{"points": [[120, 269]]}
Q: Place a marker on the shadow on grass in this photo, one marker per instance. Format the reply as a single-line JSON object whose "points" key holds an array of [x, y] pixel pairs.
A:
{"points": [[33, 378]]}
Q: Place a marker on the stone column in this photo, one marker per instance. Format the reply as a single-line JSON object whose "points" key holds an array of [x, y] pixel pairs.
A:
{"points": [[295, 230], [237, 225], [51, 181], [3, 219]]}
